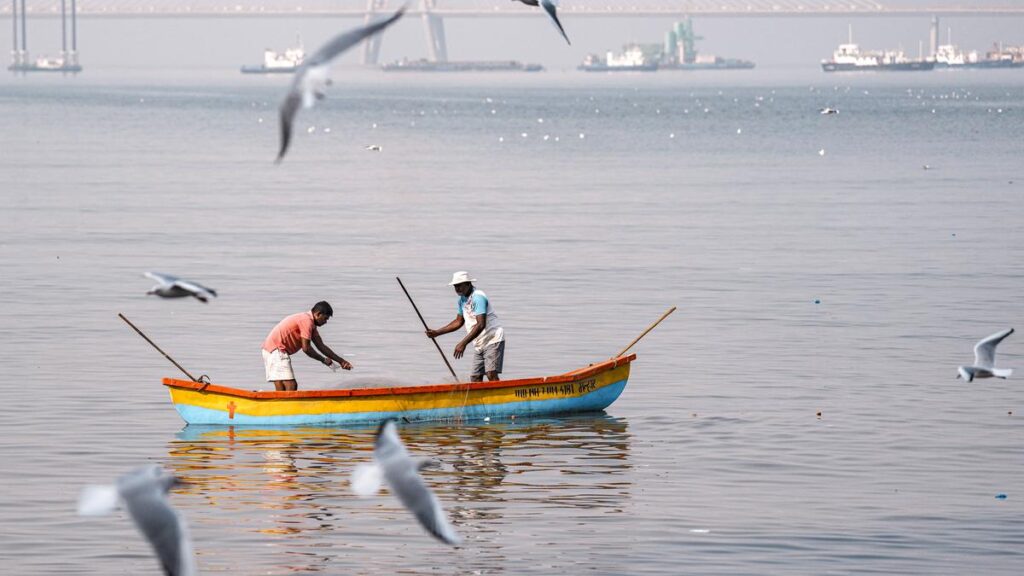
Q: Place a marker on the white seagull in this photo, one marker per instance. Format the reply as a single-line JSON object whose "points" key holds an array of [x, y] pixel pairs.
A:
{"points": [[551, 7], [311, 76], [827, 111], [985, 359], [174, 287], [144, 492], [393, 463]]}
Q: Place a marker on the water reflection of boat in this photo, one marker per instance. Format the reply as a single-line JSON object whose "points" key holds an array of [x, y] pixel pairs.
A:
{"points": [[287, 487], [587, 389]]}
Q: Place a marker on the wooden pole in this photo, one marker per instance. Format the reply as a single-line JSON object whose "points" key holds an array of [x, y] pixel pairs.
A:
{"points": [[649, 328], [425, 327], [146, 338]]}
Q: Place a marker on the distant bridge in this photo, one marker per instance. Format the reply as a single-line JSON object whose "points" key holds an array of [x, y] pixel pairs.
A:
{"points": [[433, 12], [508, 8]]}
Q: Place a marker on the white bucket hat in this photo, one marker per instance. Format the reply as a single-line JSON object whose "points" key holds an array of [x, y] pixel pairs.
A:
{"points": [[460, 277]]}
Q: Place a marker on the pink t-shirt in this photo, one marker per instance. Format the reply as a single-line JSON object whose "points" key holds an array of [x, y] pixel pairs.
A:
{"points": [[288, 334]]}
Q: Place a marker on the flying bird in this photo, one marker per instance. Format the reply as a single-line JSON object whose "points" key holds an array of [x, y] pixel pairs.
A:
{"points": [[985, 359], [311, 76], [174, 287], [551, 7], [827, 111], [144, 492], [393, 464]]}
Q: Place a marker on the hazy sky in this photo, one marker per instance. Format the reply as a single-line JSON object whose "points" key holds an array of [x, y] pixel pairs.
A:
{"points": [[771, 42]]}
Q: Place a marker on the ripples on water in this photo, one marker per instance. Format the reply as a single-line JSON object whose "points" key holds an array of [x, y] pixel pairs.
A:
{"points": [[761, 432], [291, 487]]}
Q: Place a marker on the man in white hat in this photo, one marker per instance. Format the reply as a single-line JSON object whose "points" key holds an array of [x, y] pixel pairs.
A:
{"points": [[483, 329]]}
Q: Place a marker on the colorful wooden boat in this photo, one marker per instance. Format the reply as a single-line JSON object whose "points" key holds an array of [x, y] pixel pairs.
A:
{"points": [[587, 389]]}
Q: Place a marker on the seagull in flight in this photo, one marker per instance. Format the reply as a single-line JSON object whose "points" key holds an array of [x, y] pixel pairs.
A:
{"points": [[551, 7], [311, 76], [174, 287], [144, 492], [393, 464], [985, 359]]}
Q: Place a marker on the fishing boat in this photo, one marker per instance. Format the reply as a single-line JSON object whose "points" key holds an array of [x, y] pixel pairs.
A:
{"points": [[587, 389]]}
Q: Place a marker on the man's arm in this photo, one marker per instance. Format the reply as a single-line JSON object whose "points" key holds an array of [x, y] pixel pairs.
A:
{"points": [[319, 343], [312, 354], [450, 327], [480, 326]]}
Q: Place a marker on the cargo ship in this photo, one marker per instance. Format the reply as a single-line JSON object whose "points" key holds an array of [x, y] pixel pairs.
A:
{"points": [[424, 65], [679, 52], [632, 59], [849, 58], [67, 63], [278, 62]]}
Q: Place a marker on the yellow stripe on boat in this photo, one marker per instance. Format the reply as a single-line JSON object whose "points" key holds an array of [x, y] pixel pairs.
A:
{"points": [[591, 388]]}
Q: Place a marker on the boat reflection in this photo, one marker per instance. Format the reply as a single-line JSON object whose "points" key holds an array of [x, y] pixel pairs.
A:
{"points": [[291, 484]]}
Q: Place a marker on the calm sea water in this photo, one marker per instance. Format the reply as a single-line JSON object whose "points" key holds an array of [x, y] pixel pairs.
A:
{"points": [[799, 414]]}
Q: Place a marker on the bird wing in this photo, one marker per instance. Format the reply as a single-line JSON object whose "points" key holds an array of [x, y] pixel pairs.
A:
{"points": [[165, 279], [97, 500], [409, 487], [289, 108], [194, 288], [406, 483], [985, 350], [164, 528], [294, 100], [551, 7], [366, 479], [346, 40]]}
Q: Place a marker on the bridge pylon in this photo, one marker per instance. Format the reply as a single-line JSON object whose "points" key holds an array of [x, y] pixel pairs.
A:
{"points": [[437, 45], [371, 47], [433, 27]]}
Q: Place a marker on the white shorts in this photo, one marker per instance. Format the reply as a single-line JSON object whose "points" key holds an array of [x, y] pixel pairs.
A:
{"points": [[278, 365]]}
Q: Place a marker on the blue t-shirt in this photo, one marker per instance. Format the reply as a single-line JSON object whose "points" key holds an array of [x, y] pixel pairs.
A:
{"points": [[480, 303]]}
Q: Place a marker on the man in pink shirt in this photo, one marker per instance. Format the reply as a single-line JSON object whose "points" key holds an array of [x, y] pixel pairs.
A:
{"points": [[292, 334]]}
